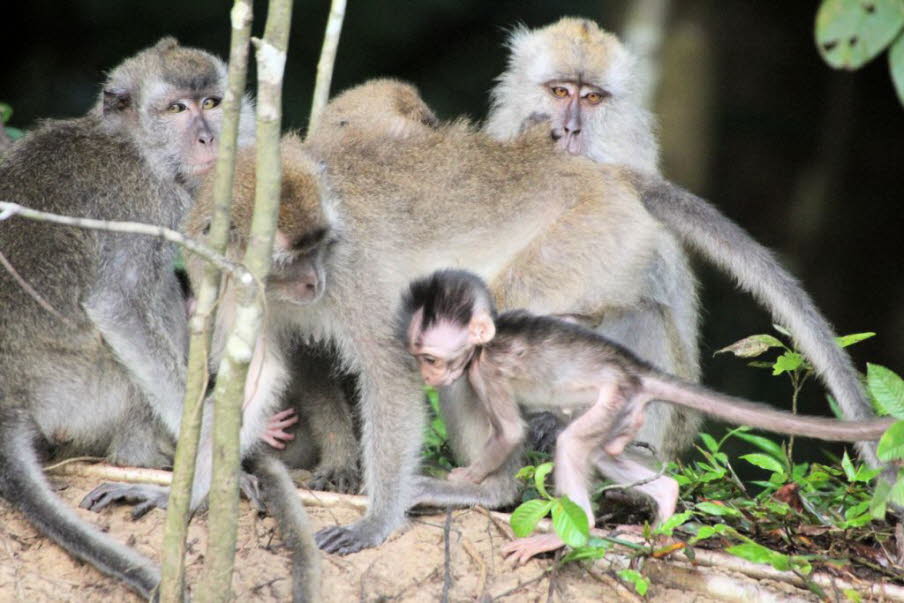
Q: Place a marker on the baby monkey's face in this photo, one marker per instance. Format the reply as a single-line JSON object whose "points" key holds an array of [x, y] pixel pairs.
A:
{"points": [[442, 352]]}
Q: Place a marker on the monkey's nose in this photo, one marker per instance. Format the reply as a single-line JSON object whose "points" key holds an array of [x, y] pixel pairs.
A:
{"points": [[205, 138]]}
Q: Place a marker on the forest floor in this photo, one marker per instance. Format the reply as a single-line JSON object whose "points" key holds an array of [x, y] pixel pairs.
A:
{"points": [[457, 552]]}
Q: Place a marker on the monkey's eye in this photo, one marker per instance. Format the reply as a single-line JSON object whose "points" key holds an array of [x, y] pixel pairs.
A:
{"points": [[595, 98], [426, 359], [176, 108], [210, 102], [559, 91]]}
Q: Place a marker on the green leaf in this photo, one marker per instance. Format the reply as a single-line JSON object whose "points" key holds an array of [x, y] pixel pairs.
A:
{"points": [[540, 479], [852, 595], [757, 553], [640, 583], [897, 490], [768, 446], [887, 388], [764, 462], [782, 330], [896, 64], [584, 553], [709, 442], [879, 501], [570, 522], [751, 347], [891, 444], [787, 362], [669, 525], [711, 508], [848, 467], [846, 340], [833, 406], [5, 113], [14, 133], [525, 517], [849, 34], [526, 473]]}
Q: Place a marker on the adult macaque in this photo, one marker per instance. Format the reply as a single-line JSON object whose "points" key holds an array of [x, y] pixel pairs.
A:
{"points": [[451, 328], [96, 365], [581, 78]]}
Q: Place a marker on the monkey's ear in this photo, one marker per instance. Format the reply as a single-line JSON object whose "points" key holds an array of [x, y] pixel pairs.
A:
{"points": [[481, 329], [116, 99]]}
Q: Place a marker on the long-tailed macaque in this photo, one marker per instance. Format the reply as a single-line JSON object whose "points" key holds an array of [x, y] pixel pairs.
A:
{"points": [[448, 322], [92, 361], [581, 78]]}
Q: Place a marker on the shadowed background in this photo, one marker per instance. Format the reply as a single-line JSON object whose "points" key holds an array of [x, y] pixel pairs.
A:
{"points": [[807, 159]]}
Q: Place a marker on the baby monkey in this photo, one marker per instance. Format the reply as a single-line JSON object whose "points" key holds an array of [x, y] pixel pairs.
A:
{"points": [[451, 328]]}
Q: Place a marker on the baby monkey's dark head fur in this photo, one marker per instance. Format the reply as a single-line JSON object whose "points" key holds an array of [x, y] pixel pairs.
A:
{"points": [[449, 294]]}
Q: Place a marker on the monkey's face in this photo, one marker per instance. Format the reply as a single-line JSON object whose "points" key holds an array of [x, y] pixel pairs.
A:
{"points": [[574, 104], [442, 350], [194, 122]]}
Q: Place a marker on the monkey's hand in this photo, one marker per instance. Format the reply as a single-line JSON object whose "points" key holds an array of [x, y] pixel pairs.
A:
{"points": [[275, 434], [146, 495], [521, 550], [363, 534], [468, 475]]}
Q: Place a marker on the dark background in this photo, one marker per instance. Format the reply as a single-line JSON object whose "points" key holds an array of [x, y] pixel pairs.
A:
{"points": [[807, 158]]}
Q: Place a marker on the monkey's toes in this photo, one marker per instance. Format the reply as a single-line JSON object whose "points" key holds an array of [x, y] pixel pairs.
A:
{"points": [[250, 487], [343, 540], [343, 480], [146, 495]]}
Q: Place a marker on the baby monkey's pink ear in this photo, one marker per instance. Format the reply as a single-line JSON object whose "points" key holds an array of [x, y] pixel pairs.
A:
{"points": [[481, 329]]}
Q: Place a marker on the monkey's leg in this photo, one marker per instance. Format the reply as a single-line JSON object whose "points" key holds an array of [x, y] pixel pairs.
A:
{"points": [[22, 482], [391, 409], [626, 469], [283, 503], [317, 392]]}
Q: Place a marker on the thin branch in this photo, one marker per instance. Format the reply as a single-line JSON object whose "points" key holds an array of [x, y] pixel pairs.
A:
{"points": [[447, 556], [8, 210], [327, 60], [26, 286], [207, 292]]}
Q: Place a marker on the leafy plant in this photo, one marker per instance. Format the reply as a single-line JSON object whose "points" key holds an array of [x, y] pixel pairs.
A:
{"points": [[851, 33], [5, 113], [436, 453]]}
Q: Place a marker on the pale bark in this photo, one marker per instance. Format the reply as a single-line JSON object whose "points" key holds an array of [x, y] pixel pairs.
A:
{"points": [[231, 374], [327, 60], [200, 326]]}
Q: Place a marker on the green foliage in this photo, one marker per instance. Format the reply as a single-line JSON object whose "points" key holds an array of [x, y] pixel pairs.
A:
{"points": [[640, 583], [436, 454], [6, 112], [850, 33], [887, 390]]}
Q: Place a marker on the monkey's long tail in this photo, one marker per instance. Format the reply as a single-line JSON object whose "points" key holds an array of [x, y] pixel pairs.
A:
{"points": [[706, 229], [754, 414], [22, 483], [294, 528]]}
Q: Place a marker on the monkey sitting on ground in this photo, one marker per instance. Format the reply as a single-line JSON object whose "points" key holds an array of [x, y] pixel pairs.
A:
{"points": [[325, 440], [92, 361], [448, 322]]}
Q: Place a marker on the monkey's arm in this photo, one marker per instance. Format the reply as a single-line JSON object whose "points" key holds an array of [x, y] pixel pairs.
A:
{"points": [[133, 318], [507, 433]]}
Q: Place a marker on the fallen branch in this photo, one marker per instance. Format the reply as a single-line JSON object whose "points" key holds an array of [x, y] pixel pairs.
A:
{"points": [[674, 571]]}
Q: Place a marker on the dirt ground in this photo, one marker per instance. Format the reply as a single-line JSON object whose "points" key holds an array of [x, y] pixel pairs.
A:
{"points": [[411, 566]]}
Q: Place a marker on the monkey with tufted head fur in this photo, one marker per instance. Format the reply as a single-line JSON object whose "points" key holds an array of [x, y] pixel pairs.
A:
{"points": [[448, 322], [103, 375], [581, 79]]}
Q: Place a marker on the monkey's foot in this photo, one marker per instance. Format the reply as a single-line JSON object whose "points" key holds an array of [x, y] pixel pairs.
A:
{"points": [[251, 488], [343, 479], [146, 495], [521, 550], [464, 475], [343, 540]]}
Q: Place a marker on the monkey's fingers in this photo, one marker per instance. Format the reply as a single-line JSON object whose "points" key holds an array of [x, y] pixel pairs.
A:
{"points": [[289, 414], [276, 437], [521, 550], [148, 496], [335, 479]]}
